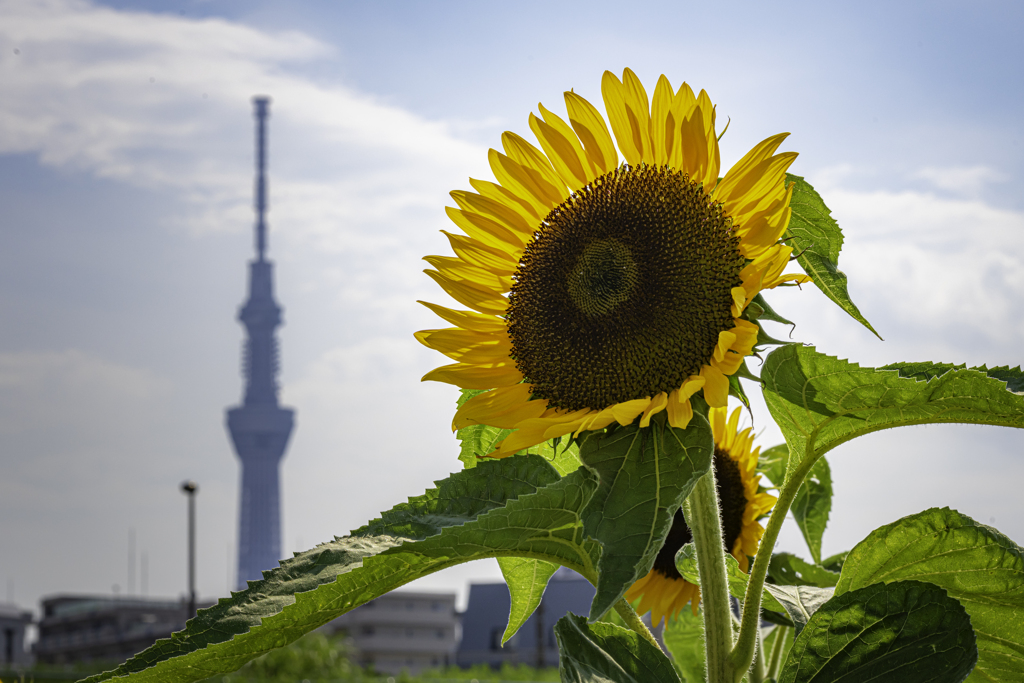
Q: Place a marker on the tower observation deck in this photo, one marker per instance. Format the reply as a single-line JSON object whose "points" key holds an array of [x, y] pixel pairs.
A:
{"points": [[260, 428]]}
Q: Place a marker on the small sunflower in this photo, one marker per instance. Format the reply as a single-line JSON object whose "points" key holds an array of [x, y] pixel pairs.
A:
{"points": [[664, 592], [601, 292]]}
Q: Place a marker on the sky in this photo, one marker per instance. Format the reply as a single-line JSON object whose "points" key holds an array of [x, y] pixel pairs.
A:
{"points": [[126, 161]]}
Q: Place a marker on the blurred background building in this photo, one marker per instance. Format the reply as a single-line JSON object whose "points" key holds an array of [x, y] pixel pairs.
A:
{"points": [[402, 630], [486, 616], [13, 624], [97, 628]]}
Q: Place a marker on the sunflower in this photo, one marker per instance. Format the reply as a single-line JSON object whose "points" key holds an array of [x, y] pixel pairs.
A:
{"points": [[664, 592], [602, 292]]}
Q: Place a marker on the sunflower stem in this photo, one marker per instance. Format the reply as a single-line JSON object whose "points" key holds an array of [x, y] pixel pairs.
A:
{"points": [[633, 621], [759, 670], [743, 652], [775, 659], [704, 519]]}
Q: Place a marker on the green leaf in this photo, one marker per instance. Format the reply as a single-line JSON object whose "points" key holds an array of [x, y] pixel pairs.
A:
{"points": [[589, 653], [777, 618], [526, 578], [502, 507], [976, 564], [817, 240], [797, 602], [835, 562], [686, 564], [813, 501], [476, 441], [902, 632], [800, 602], [736, 388], [772, 463], [786, 569], [820, 401], [812, 505], [684, 640], [758, 309], [644, 475]]}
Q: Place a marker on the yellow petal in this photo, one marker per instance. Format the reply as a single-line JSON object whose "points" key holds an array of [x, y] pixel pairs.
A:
{"points": [[716, 386], [468, 294], [467, 346], [456, 268], [717, 418], [565, 153], [682, 104], [629, 114], [528, 219], [523, 181], [734, 423], [467, 320], [474, 376], [530, 433], [680, 411], [504, 407], [525, 154], [693, 142], [624, 413], [473, 251], [657, 404], [714, 159], [740, 298], [496, 211], [761, 232], [486, 230], [663, 123], [725, 342], [593, 133], [726, 190], [759, 188]]}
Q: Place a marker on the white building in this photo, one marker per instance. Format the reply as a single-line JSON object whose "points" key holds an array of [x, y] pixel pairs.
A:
{"points": [[402, 630]]}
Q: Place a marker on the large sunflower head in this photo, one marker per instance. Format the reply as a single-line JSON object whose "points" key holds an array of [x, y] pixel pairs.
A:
{"points": [[602, 291], [664, 592]]}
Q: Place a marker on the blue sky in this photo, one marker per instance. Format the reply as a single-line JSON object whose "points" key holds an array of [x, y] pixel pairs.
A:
{"points": [[126, 168]]}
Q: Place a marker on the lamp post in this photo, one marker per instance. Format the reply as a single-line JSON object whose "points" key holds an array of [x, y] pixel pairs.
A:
{"points": [[190, 488]]}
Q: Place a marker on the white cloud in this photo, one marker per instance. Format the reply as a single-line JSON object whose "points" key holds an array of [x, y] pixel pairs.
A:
{"points": [[80, 390], [962, 180], [163, 102], [934, 274], [356, 186]]}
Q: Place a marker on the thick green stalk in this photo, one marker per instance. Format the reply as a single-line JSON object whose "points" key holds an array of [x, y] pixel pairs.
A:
{"points": [[629, 615], [743, 652], [704, 520]]}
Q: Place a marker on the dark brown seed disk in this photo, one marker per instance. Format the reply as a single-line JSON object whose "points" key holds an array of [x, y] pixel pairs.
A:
{"points": [[623, 290], [732, 501]]}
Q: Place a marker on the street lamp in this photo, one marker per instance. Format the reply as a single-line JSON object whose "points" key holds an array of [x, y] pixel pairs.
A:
{"points": [[190, 488]]}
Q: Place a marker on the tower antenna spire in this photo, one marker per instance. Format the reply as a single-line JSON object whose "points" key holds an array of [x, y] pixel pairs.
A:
{"points": [[261, 106]]}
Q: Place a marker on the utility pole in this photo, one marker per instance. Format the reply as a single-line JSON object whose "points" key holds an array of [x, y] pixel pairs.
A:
{"points": [[190, 488]]}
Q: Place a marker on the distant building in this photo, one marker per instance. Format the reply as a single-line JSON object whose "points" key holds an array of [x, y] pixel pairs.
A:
{"points": [[84, 628], [13, 622], [402, 630], [486, 617]]}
